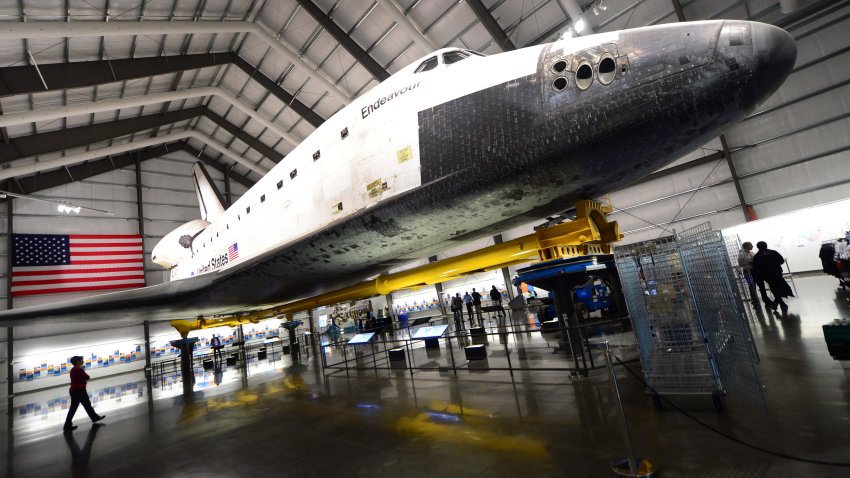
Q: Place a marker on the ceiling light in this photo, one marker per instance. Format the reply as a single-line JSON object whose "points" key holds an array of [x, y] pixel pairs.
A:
{"points": [[579, 25], [68, 209], [60, 205], [568, 33], [599, 7]]}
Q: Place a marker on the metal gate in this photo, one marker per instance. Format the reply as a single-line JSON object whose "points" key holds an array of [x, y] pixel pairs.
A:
{"points": [[721, 311], [692, 331]]}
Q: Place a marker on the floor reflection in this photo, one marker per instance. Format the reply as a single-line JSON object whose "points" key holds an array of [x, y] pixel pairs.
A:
{"points": [[80, 457], [294, 420]]}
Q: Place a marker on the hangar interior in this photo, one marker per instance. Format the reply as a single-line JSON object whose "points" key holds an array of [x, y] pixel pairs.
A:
{"points": [[109, 105]]}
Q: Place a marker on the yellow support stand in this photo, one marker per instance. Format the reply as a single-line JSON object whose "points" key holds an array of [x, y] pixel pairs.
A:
{"points": [[589, 233]]}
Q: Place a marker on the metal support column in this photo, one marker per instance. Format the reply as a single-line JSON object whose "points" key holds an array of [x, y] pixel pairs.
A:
{"points": [[9, 230], [680, 13], [10, 353], [439, 288], [506, 273], [139, 204], [10, 332], [735, 180], [147, 328], [389, 298], [312, 330], [228, 196]]}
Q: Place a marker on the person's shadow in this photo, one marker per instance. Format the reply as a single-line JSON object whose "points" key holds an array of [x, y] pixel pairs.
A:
{"points": [[80, 458]]}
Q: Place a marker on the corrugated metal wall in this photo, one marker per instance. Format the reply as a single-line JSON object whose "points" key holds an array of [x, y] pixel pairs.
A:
{"points": [[168, 199], [791, 154]]}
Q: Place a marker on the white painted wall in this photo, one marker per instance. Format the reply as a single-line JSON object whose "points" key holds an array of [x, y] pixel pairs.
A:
{"points": [[798, 235]]}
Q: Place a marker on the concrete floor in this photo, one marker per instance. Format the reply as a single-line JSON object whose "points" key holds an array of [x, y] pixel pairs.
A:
{"points": [[283, 421]]}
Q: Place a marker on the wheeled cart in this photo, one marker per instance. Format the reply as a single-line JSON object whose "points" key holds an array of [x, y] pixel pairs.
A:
{"points": [[692, 332]]}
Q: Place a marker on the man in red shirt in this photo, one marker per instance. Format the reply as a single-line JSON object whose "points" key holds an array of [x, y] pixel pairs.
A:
{"points": [[79, 395]]}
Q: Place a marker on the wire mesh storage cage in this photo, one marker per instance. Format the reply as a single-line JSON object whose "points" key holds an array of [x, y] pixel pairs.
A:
{"points": [[692, 331]]}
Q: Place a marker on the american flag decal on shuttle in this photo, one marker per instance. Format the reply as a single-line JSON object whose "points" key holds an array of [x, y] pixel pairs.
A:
{"points": [[233, 252]]}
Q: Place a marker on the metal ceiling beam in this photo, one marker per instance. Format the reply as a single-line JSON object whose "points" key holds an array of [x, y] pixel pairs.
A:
{"points": [[52, 179], [491, 25], [345, 40], [17, 80], [25, 30], [242, 135], [59, 177], [48, 114], [397, 14], [28, 169], [707, 159], [300, 108], [680, 12], [226, 170], [54, 141]]}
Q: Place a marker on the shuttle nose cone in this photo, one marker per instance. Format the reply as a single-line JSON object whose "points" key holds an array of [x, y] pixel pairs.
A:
{"points": [[775, 53]]}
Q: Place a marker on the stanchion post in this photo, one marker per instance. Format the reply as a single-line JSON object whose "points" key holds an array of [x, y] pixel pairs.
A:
{"points": [[637, 468], [451, 353]]}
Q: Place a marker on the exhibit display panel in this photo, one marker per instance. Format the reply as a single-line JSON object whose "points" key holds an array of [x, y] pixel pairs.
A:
{"points": [[47, 409], [409, 302], [360, 339], [431, 332], [42, 362]]}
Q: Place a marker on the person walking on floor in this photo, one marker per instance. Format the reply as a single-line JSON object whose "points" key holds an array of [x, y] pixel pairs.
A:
{"points": [[215, 343], [467, 300], [767, 268], [496, 297], [457, 309], [79, 395], [745, 262], [476, 302]]}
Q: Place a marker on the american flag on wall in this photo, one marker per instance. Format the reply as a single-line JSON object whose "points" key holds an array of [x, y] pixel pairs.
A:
{"points": [[54, 264]]}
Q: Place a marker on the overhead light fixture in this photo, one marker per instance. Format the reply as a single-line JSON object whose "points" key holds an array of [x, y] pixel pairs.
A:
{"points": [[579, 25], [568, 33], [599, 7], [60, 206], [68, 209]]}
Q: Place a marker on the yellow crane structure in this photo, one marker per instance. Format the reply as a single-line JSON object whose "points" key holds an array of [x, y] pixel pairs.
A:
{"points": [[589, 233]]}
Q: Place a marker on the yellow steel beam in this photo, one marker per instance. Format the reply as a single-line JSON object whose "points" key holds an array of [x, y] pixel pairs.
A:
{"points": [[186, 326], [589, 233]]}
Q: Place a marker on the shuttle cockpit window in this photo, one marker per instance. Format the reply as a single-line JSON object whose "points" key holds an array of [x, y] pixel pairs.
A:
{"points": [[427, 65], [454, 57], [472, 52]]}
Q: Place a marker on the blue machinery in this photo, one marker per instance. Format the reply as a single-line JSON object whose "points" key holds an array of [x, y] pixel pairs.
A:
{"points": [[575, 291]]}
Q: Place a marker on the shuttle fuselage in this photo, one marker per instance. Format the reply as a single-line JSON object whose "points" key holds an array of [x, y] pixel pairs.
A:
{"points": [[457, 145]]}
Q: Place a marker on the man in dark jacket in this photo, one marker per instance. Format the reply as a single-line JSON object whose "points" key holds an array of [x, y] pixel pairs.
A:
{"points": [[767, 268], [476, 302]]}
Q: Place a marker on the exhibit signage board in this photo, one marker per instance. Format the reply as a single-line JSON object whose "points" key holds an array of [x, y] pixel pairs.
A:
{"points": [[432, 332], [360, 339]]}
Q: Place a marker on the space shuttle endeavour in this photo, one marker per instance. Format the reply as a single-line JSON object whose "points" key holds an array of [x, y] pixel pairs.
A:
{"points": [[453, 147]]}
